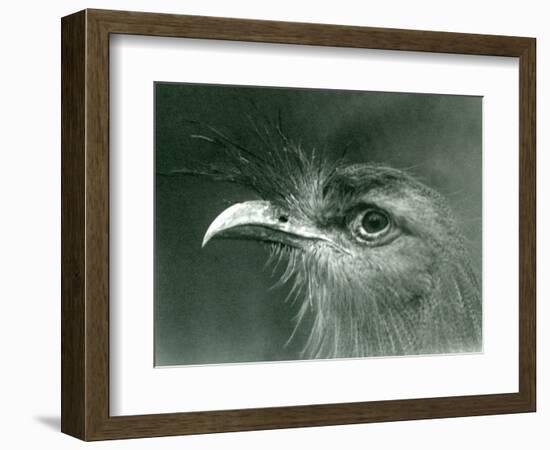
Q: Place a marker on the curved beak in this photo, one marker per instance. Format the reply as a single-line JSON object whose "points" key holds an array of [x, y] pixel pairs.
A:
{"points": [[261, 220]]}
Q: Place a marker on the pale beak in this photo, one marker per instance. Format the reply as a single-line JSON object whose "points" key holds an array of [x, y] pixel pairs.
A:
{"points": [[261, 220]]}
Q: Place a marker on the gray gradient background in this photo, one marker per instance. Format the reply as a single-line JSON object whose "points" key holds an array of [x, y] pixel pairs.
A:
{"points": [[215, 305]]}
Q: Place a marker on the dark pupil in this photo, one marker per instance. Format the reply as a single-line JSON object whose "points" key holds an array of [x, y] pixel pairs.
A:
{"points": [[374, 221]]}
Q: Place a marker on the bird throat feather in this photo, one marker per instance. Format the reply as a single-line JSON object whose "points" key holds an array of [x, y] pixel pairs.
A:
{"points": [[348, 318]]}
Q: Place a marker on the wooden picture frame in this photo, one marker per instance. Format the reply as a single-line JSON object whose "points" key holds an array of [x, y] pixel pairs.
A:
{"points": [[85, 224]]}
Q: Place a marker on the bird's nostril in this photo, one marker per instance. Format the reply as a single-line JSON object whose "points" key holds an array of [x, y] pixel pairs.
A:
{"points": [[283, 218]]}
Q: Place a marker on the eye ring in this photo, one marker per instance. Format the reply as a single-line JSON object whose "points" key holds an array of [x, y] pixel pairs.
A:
{"points": [[371, 224]]}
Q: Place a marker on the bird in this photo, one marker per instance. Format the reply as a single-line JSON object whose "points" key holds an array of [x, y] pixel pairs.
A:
{"points": [[374, 256]]}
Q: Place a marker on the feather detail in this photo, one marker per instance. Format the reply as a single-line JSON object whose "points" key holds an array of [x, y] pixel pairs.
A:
{"points": [[416, 295]]}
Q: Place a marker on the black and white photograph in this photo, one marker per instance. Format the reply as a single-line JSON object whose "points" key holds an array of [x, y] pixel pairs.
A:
{"points": [[275, 225], [299, 224]]}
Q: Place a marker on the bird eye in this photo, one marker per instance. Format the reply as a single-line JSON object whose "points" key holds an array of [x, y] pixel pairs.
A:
{"points": [[374, 221], [371, 224]]}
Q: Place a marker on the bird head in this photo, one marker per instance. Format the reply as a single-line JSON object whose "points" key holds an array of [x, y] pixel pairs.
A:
{"points": [[374, 255]]}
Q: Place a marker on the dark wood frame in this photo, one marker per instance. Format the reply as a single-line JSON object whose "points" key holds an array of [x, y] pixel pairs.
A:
{"points": [[85, 224]]}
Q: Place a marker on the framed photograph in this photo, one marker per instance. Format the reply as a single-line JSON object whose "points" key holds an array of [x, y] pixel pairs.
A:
{"points": [[273, 225]]}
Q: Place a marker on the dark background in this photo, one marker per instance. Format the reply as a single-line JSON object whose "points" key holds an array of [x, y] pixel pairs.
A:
{"points": [[215, 305]]}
